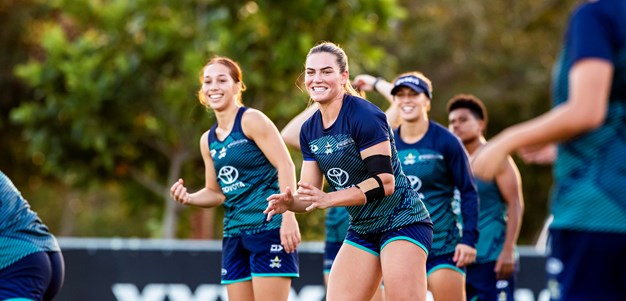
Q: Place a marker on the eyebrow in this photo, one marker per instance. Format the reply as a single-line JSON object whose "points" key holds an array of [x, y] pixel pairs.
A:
{"points": [[323, 68], [206, 76]]}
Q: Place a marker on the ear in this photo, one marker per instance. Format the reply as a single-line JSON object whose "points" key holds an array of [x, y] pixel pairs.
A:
{"points": [[481, 125], [344, 76]]}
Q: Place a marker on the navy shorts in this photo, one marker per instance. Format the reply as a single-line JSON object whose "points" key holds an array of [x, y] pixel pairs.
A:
{"points": [[256, 255], [586, 265], [418, 233], [481, 283], [444, 261], [38, 276], [330, 252]]}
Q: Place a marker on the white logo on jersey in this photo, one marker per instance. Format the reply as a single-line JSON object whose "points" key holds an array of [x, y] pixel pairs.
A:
{"points": [[329, 148], [222, 153], [275, 263], [314, 148], [224, 272], [416, 183], [409, 159], [213, 152], [337, 176], [276, 248], [228, 174]]}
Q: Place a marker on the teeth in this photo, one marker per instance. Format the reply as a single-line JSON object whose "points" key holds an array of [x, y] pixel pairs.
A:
{"points": [[319, 89], [216, 96], [407, 109]]}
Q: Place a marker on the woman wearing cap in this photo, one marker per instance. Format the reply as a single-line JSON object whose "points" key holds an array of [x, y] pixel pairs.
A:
{"points": [[436, 163], [349, 141]]}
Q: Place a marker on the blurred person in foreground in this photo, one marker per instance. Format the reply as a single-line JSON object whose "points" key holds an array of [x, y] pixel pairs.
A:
{"points": [[588, 233], [31, 263]]}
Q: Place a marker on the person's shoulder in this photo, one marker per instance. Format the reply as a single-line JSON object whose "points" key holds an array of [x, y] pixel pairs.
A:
{"points": [[311, 122], [358, 104], [442, 132]]}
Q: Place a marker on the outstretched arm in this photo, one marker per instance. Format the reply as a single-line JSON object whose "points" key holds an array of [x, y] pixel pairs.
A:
{"points": [[367, 83], [291, 132], [590, 81]]}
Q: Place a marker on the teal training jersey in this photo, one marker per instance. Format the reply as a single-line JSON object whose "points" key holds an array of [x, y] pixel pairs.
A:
{"points": [[435, 165], [590, 172], [247, 179], [21, 231], [360, 125], [491, 222], [337, 222]]}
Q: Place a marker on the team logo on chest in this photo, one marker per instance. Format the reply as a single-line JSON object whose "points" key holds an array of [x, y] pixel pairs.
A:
{"points": [[409, 159], [228, 175], [222, 153], [338, 176]]}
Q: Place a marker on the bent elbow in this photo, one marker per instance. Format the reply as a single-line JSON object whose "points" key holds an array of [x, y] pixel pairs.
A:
{"points": [[389, 183]]}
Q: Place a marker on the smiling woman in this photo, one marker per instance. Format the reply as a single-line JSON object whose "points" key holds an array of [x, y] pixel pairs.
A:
{"points": [[245, 161], [349, 142], [436, 165]]}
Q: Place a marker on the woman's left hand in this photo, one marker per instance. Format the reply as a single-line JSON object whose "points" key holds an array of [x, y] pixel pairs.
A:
{"points": [[290, 232], [312, 194]]}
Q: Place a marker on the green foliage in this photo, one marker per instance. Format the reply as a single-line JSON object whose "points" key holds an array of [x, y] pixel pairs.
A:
{"points": [[115, 86]]}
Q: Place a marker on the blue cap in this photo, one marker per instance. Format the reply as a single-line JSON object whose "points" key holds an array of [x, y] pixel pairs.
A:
{"points": [[412, 82]]}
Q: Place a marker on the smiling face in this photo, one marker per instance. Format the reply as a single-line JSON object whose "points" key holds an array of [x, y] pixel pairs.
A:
{"points": [[219, 89], [413, 106], [323, 79], [465, 125]]}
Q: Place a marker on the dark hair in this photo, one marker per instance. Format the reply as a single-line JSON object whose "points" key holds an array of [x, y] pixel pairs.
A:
{"points": [[235, 74], [342, 61], [470, 102]]}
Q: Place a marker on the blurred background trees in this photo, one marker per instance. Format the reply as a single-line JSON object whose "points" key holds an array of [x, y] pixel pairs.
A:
{"points": [[99, 113]]}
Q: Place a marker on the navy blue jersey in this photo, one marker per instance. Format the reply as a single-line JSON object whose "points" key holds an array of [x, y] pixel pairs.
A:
{"points": [[360, 125], [435, 166], [491, 221], [590, 171], [247, 179], [21, 231]]}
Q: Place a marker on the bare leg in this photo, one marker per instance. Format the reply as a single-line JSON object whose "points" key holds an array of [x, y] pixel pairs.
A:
{"points": [[354, 276], [404, 271], [271, 288], [240, 291], [447, 285]]}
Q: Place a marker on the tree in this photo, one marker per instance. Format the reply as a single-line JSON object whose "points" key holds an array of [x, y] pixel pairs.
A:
{"points": [[114, 89]]}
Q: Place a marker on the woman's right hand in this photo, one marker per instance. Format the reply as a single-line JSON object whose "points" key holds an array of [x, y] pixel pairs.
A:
{"points": [[364, 82], [179, 192], [278, 203]]}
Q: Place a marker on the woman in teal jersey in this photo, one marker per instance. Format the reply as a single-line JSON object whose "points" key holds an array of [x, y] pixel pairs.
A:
{"points": [[31, 263], [436, 163], [588, 233], [245, 162], [501, 208], [349, 142]]}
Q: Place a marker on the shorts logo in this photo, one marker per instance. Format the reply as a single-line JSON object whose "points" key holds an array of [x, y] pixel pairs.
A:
{"points": [[275, 263], [228, 174], [276, 248], [338, 176], [502, 284], [224, 272], [554, 266]]}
